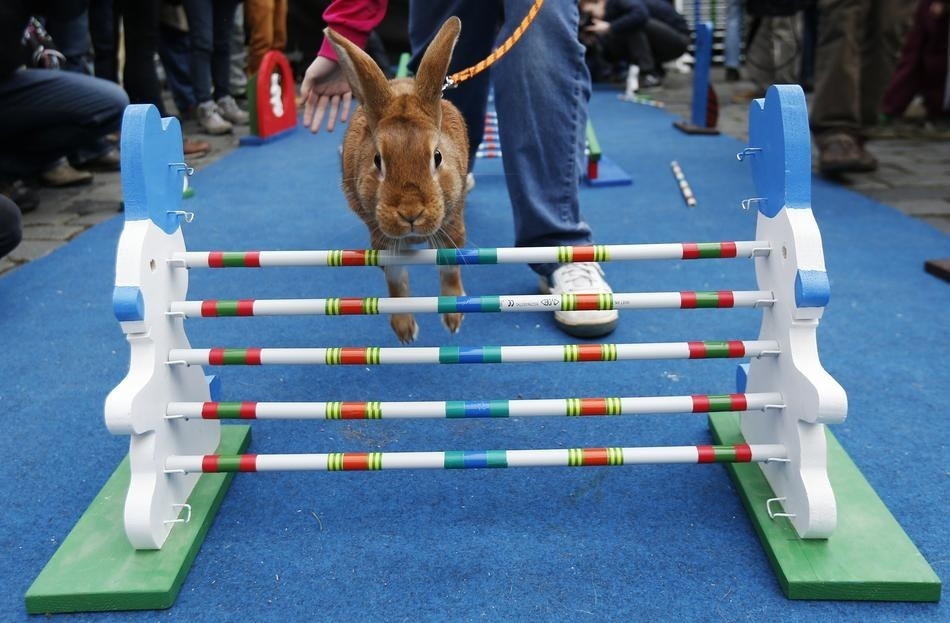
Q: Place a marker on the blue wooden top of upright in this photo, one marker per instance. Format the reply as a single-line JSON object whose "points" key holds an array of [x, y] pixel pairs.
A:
{"points": [[778, 125], [153, 167]]}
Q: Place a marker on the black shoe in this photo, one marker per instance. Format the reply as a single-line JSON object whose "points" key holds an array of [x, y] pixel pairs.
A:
{"points": [[732, 74], [25, 197]]}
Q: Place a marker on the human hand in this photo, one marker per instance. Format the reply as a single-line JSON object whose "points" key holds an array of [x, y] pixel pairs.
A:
{"points": [[323, 86], [598, 27]]}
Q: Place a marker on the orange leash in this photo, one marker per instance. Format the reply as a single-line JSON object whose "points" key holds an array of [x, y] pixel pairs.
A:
{"points": [[461, 76]]}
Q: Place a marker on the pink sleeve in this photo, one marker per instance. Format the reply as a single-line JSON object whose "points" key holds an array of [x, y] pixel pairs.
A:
{"points": [[354, 19]]}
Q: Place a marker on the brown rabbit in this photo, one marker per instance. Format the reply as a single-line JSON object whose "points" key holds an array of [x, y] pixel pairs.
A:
{"points": [[405, 158]]}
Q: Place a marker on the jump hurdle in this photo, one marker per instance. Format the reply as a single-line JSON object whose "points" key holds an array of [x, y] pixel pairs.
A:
{"points": [[172, 413]]}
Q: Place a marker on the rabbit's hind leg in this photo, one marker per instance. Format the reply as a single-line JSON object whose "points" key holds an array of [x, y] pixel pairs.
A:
{"points": [[450, 280]]}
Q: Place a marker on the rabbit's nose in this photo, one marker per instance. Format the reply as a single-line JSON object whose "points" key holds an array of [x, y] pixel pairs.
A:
{"points": [[410, 215]]}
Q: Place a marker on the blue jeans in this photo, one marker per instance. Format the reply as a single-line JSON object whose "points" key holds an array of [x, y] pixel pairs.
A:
{"points": [[209, 31], [46, 114], [175, 51], [72, 40], [735, 12], [542, 87]]}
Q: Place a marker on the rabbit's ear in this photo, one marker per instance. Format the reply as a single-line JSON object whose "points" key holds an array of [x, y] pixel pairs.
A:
{"points": [[369, 84], [435, 64]]}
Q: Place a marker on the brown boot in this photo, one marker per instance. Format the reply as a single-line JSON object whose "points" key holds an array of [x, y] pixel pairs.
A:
{"points": [[195, 148], [839, 152]]}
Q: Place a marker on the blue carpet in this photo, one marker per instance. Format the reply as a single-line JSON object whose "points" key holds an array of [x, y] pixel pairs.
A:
{"points": [[646, 543]]}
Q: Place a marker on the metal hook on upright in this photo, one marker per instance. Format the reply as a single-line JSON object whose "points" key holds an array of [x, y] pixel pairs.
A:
{"points": [[748, 151]]}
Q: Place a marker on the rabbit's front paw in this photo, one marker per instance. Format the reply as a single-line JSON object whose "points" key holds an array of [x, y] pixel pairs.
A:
{"points": [[405, 327]]}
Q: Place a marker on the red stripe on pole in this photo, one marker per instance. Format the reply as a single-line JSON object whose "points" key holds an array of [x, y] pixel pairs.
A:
{"points": [[353, 411], [690, 250], [728, 249], [209, 464], [349, 355], [209, 308], [697, 350], [700, 404], [216, 357], [593, 406], [706, 454], [687, 300], [589, 352], [585, 253], [245, 307], [351, 306], [248, 410], [739, 402], [248, 463], [253, 357], [354, 258], [596, 456], [736, 348], [355, 461], [587, 301], [252, 259], [209, 410], [726, 298], [743, 453], [216, 259]]}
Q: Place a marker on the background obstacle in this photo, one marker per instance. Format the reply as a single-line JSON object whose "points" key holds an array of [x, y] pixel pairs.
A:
{"points": [[271, 100], [601, 170], [704, 108], [801, 288]]}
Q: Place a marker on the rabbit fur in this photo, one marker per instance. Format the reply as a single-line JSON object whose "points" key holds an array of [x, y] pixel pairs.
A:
{"points": [[405, 161]]}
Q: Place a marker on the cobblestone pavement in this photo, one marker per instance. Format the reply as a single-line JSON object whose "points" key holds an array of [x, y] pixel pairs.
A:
{"points": [[914, 175]]}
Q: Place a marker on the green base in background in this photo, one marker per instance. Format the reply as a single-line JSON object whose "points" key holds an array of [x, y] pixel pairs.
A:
{"points": [[868, 558], [95, 569]]}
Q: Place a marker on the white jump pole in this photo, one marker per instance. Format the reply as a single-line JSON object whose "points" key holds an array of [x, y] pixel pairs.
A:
{"points": [[385, 410], [445, 257], [471, 304], [375, 355], [472, 459]]}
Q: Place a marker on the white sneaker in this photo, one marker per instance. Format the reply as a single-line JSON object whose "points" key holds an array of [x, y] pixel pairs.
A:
{"points": [[229, 109], [581, 278], [469, 182], [210, 119]]}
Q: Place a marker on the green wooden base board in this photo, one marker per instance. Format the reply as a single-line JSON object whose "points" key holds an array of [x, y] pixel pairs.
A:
{"points": [[95, 569], [868, 558]]}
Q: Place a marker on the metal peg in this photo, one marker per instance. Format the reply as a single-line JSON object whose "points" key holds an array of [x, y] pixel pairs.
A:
{"points": [[751, 201], [773, 514], [183, 166], [188, 216], [184, 519], [748, 151]]}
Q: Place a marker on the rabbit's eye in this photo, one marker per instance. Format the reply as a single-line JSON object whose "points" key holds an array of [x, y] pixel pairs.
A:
{"points": [[378, 161], [438, 158]]}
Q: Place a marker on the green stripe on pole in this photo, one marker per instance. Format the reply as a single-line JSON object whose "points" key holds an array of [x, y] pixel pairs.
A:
{"points": [[229, 463], [234, 356], [593, 146], [707, 299], [226, 308], [229, 410], [720, 403], [233, 259], [709, 250], [716, 349]]}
